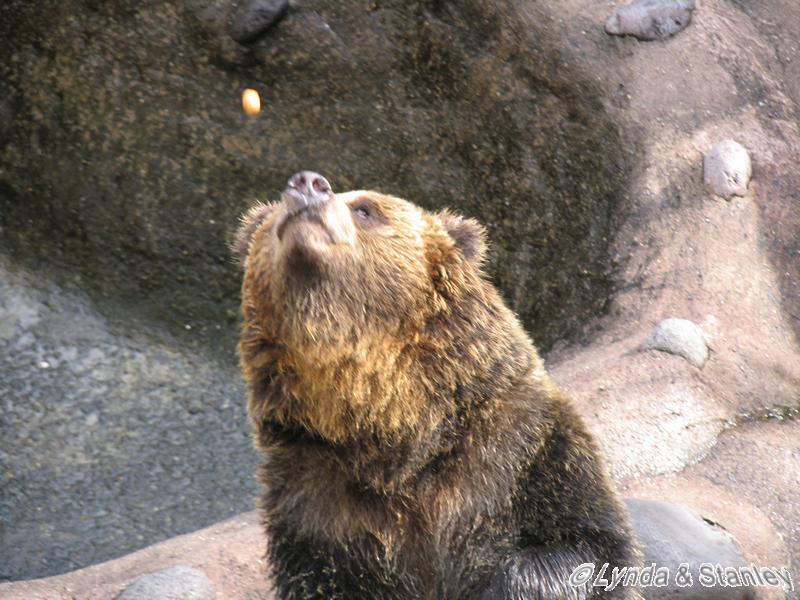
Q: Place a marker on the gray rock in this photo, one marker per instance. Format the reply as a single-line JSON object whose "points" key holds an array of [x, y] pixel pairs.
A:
{"points": [[253, 19], [110, 438], [727, 169], [651, 19], [681, 337], [176, 583], [671, 536]]}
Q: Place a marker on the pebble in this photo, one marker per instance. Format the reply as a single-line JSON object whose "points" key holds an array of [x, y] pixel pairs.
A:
{"points": [[727, 169], [651, 19], [253, 19], [176, 583], [681, 337]]}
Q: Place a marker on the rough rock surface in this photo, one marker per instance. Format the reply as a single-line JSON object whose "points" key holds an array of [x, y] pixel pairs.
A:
{"points": [[111, 437], [126, 157], [651, 19], [175, 583], [681, 337], [126, 160], [727, 169]]}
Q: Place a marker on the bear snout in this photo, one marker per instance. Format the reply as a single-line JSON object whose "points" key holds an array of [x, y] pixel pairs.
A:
{"points": [[309, 199], [305, 189]]}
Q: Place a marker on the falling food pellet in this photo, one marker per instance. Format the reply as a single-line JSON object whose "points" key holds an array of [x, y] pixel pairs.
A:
{"points": [[251, 102]]}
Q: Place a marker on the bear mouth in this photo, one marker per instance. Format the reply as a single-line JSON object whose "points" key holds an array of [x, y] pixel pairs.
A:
{"points": [[304, 215]]}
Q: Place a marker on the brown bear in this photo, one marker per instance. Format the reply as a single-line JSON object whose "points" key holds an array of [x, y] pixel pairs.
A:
{"points": [[414, 446]]}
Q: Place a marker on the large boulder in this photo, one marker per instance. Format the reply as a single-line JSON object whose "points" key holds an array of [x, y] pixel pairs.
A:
{"points": [[127, 159]]}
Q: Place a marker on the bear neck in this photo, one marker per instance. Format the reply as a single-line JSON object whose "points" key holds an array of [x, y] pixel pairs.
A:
{"points": [[380, 396]]}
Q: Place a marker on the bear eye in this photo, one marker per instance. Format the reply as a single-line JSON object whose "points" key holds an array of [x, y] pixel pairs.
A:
{"points": [[366, 214], [362, 210]]}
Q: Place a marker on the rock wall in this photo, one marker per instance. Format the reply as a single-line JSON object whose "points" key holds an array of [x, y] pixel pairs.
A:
{"points": [[127, 158]]}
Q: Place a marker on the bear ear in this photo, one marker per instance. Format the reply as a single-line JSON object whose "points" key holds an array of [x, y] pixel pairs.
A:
{"points": [[468, 235], [250, 222]]}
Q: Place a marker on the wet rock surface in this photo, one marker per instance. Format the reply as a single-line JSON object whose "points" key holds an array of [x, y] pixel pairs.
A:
{"points": [[681, 541]]}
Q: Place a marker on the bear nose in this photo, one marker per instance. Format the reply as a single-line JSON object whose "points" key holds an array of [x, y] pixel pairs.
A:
{"points": [[308, 188]]}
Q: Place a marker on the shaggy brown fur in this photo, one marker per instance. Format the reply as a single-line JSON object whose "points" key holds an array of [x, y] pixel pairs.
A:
{"points": [[414, 445]]}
